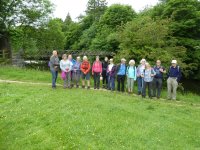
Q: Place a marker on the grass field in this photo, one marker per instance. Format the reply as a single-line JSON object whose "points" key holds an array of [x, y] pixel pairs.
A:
{"points": [[37, 117]]}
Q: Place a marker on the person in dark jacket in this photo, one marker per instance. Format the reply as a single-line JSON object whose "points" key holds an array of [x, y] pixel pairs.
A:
{"points": [[104, 72], [158, 79], [54, 65], [174, 76], [111, 73], [121, 74]]}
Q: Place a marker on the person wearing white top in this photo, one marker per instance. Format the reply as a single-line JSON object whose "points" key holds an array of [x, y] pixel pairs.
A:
{"points": [[66, 67]]}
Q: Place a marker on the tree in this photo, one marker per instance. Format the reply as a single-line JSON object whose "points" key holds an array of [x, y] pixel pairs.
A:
{"points": [[116, 15], [21, 13], [96, 8]]}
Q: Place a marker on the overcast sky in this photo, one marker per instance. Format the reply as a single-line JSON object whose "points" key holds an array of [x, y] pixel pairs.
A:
{"points": [[77, 7]]}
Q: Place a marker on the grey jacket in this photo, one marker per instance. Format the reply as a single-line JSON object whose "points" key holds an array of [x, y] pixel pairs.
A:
{"points": [[54, 61]]}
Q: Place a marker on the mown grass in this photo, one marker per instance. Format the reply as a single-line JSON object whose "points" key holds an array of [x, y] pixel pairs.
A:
{"points": [[28, 75], [37, 117]]}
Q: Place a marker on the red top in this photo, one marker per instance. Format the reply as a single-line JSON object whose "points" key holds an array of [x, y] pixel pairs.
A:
{"points": [[85, 67]]}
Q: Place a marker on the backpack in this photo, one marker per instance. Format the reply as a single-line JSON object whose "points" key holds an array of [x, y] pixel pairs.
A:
{"points": [[127, 69]]}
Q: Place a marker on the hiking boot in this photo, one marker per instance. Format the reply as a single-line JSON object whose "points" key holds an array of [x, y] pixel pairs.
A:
{"points": [[77, 86], [88, 87], [83, 87]]}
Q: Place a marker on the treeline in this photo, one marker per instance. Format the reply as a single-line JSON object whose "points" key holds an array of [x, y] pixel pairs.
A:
{"points": [[169, 30]]}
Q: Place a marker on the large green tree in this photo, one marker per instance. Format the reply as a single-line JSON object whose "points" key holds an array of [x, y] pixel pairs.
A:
{"points": [[15, 13]]}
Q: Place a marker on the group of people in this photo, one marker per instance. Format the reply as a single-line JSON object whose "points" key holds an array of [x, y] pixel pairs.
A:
{"points": [[145, 75]]}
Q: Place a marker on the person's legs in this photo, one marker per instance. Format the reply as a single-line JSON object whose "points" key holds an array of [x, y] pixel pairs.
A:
{"points": [[68, 76], [132, 85], [144, 89], [83, 80], [159, 87], [129, 84], [150, 84], [154, 87], [88, 80], [56, 76], [98, 80], [53, 73], [78, 76], [139, 81], [104, 78], [174, 88], [122, 81], [118, 82], [112, 83], [95, 80], [169, 88], [109, 83], [71, 78]]}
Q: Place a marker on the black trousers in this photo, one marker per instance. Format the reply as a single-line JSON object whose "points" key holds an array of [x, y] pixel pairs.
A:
{"points": [[96, 80], [157, 86], [105, 78], [150, 86], [120, 82]]}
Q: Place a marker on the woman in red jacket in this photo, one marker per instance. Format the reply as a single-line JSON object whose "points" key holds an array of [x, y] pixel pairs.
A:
{"points": [[85, 69]]}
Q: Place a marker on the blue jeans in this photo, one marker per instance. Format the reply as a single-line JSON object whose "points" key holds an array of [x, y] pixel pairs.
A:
{"points": [[111, 83], [54, 77], [140, 82]]}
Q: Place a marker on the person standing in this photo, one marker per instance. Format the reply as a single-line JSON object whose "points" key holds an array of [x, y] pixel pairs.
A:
{"points": [[96, 72], [158, 79], [121, 74], [77, 72], [174, 76], [85, 69], [131, 76], [111, 74], [104, 72], [71, 73], [66, 67], [140, 70], [148, 75], [53, 64]]}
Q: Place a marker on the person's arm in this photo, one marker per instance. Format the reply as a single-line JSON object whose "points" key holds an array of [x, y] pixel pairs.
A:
{"points": [[81, 68], [88, 69], [61, 66], [71, 66], [101, 69], [164, 70], [135, 76], [179, 75]]}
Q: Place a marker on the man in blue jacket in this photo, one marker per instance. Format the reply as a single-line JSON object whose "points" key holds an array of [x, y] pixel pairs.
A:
{"points": [[174, 76]]}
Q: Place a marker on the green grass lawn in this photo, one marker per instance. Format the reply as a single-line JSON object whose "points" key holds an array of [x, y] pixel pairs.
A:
{"points": [[37, 117]]}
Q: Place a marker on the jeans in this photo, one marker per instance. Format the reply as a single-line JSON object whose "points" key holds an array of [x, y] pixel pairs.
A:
{"points": [[140, 82], [172, 86], [157, 86], [111, 83], [54, 77], [149, 85], [96, 80], [120, 82]]}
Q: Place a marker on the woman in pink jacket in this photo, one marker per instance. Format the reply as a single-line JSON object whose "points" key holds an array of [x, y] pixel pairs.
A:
{"points": [[96, 72]]}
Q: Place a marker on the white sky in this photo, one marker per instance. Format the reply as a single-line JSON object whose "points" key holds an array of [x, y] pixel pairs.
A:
{"points": [[77, 7]]}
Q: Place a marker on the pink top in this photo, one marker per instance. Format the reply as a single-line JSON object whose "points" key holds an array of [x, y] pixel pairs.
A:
{"points": [[97, 67]]}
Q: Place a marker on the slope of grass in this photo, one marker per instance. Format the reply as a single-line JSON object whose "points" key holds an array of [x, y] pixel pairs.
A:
{"points": [[37, 117]]}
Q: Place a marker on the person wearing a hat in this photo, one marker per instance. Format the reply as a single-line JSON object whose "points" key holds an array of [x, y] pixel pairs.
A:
{"points": [[140, 70], [121, 74], [174, 76]]}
